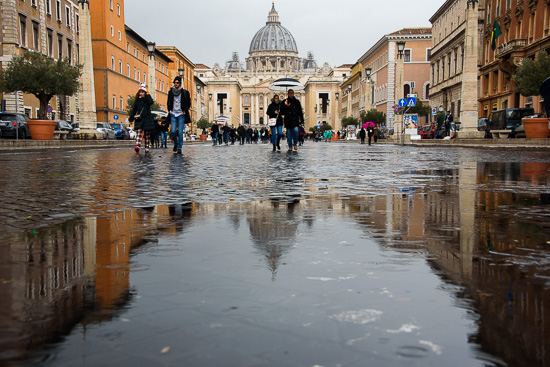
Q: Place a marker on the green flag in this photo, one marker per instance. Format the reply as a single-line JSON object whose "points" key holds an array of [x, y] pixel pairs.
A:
{"points": [[494, 35]]}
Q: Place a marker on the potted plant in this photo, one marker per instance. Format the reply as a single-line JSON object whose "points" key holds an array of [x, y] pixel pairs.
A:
{"points": [[529, 80], [41, 76], [203, 124]]}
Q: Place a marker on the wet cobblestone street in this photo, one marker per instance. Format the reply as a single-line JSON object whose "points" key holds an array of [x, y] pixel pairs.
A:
{"points": [[335, 255]]}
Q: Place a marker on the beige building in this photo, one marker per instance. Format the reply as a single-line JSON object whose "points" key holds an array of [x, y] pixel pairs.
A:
{"points": [[350, 90], [386, 77], [50, 27], [240, 91]]}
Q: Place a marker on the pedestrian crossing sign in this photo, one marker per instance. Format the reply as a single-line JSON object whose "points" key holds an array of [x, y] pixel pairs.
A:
{"points": [[411, 102]]}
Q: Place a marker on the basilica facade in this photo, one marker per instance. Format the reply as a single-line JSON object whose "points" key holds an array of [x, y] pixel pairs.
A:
{"points": [[239, 92]]}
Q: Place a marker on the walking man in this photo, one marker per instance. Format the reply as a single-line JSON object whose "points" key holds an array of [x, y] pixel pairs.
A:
{"points": [[291, 109], [179, 102]]}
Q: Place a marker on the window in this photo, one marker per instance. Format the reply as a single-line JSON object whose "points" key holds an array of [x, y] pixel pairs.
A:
{"points": [[111, 4], [118, 9], [33, 3], [35, 36], [112, 31], [407, 56], [121, 104], [59, 46], [138, 75], [508, 4], [135, 73], [144, 77], [112, 62], [58, 10], [78, 53], [114, 102], [50, 43], [137, 53], [70, 50], [119, 36], [128, 69], [49, 7], [23, 31], [120, 66], [67, 16], [77, 23]]}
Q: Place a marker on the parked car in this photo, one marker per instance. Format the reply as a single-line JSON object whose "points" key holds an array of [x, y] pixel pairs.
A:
{"points": [[121, 131], [506, 119], [63, 125], [106, 129], [427, 132], [482, 124], [14, 125]]}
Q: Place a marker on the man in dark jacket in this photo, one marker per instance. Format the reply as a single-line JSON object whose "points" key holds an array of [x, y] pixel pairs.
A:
{"points": [[215, 131], [291, 109], [242, 133], [179, 103]]}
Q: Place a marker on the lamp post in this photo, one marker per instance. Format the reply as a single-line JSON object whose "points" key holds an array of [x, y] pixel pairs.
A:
{"points": [[350, 112], [151, 69], [337, 110], [399, 88], [368, 72]]}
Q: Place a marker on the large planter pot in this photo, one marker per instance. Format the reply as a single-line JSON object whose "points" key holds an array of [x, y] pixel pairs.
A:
{"points": [[41, 129], [536, 128], [203, 137]]}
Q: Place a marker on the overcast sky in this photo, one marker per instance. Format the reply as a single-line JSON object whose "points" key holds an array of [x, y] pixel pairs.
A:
{"points": [[336, 31]]}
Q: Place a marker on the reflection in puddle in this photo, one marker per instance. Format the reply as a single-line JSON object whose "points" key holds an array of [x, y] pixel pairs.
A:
{"points": [[436, 271]]}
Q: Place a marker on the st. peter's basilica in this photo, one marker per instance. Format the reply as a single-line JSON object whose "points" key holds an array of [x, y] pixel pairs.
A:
{"points": [[241, 92]]}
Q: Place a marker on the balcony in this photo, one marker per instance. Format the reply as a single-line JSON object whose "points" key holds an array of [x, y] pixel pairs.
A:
{"points": [[509, 47]]}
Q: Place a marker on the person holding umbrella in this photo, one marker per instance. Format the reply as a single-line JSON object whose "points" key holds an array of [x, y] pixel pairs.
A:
{"points": [[291, 109], [273, 111]]}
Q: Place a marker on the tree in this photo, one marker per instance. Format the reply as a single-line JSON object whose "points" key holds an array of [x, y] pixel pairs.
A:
{"points": [[132, 99], [325, 127], [373, 115], [348, 120], [41, 76], [420, 109], [530, 75], [203, 123]]}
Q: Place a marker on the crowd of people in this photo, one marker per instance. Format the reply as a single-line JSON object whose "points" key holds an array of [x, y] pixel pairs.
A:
{"points": [[286, 113]]}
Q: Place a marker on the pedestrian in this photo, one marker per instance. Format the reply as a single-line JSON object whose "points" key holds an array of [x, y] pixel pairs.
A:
{"points": [[164, 126], [448, 120], [233, 135], [362, 135], [241, 131], [215, 130], [226, 131], [370, 133], [301, 134], [439, 127], [249, 133], [156, 134], [291, 109], [275, 122], [142, 118], [179, 102]]}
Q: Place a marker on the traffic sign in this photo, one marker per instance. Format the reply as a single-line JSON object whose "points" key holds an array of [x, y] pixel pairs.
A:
{"points": [[402, 102], [434, 111], [50, 109], [115, 117], [411, 102], [397, 108]]}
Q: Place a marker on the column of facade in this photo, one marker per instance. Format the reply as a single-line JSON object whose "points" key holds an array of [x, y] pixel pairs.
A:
{"points": [[87, 110], [469, 104]]}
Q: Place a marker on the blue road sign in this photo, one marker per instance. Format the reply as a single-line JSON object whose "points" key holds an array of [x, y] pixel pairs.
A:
{"points": [[434, 111], [50, 109], [402, 102], [115, 117], [411, 102]]}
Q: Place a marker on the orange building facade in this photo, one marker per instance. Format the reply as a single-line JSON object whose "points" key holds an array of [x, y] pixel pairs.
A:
{"points": [[525, 27], [122, 62]]}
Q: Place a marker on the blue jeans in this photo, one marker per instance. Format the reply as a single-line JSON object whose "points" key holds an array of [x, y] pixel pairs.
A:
{"points": [[226, 138], [215, 138], [276, 133], [178, 126], [292, 136], [163, 138]]}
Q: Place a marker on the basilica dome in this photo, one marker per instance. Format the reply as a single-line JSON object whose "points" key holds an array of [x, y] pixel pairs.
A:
{"points": [[273, 36]]}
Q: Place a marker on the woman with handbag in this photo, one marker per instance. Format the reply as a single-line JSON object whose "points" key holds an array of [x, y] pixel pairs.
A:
{"points": [[275, 122], [142, 117]]}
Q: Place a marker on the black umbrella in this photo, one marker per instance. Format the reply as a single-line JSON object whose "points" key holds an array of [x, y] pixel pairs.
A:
{"points": [[284, 84]]}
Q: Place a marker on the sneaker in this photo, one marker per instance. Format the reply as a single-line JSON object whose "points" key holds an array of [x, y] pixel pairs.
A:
{"points": [[136, 149], [290, 149], [295, 147], [179, 151]]}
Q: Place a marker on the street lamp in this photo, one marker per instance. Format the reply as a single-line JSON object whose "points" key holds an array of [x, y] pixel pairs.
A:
{"points": [[400, 48], [181, 72], [337, 95], [151, 48], [368, 71], [473, 2], [210, 96]]}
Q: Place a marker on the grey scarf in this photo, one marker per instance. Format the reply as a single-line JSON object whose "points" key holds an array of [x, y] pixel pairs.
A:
{"points": [[176, 91]]}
